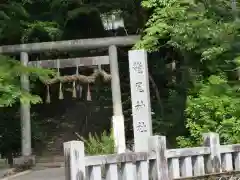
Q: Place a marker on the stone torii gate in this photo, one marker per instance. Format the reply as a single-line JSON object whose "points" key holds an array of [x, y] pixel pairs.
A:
{"points": [[82, 44]]}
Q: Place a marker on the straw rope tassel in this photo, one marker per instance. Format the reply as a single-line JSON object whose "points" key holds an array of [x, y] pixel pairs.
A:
{"points": [[80, 90], [60, 85], [74, 92], [79, 87], [89, 98], [48, 98], [60, 91]]}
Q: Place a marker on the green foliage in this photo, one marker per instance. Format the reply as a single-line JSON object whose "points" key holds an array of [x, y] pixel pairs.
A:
{"points": [[214, 108], [190, 27], [95, 145], [202, 37], [10, 94], [48, 29], [10, 86], [16, 23], [12, 17]]}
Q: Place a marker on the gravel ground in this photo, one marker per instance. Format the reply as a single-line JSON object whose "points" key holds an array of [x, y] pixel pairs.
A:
{"points": [[2, 172], [46, 174]]}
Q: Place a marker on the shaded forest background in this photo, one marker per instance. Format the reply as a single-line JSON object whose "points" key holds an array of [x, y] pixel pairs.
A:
{"points": [[193, 68]]}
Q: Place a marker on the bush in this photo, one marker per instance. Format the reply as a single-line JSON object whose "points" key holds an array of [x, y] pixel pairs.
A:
{"points": [[214, 108]]}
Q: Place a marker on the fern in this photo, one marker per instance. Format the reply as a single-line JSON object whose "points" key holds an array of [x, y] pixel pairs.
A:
{"points": [[94, 144]]}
